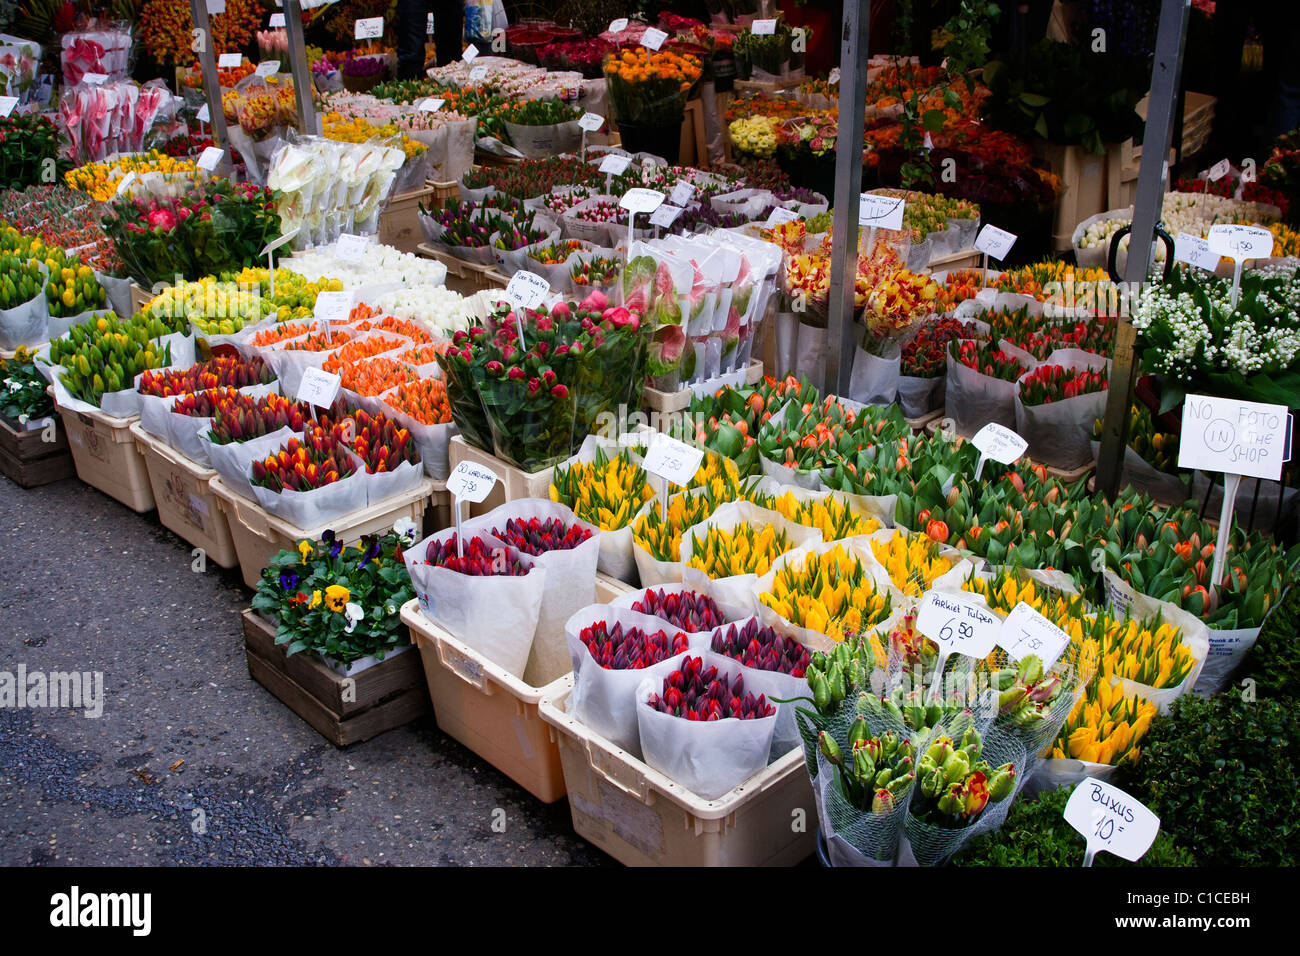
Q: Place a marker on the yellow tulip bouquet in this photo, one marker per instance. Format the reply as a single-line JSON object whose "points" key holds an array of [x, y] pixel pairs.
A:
{"points": [[828, 591], [1105, 726]]}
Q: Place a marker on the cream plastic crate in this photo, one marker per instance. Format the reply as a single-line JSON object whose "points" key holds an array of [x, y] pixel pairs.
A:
{"points": [[186, 504], [607, 588], [258, 536], [642, 818], [107, 458], [488, 709], [514, 483]]}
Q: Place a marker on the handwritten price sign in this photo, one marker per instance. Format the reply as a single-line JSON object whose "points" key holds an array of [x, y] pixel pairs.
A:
{"points": [[673, 460], [471, 482], [1110, 820], [1026, 632], [958, 624]]}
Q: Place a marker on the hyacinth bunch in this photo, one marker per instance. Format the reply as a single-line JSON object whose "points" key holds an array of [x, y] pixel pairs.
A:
{"points": [[762, 648], [319, 459], [687, 610], [479, 560], [1055, 383], [220, 372], [540, 535], [696, 692], [619, 649]]}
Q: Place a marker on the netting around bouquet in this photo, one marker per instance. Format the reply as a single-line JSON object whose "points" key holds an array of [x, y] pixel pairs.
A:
{"points": [[931, 844], [1075, 668], [871, 837]]}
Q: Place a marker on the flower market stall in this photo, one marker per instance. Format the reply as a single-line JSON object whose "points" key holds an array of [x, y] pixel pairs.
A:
{"points": [[702, 440]]}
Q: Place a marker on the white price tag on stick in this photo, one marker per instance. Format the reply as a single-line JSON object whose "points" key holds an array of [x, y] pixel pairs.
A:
{"points": [[95, 79], [1234, 437], [665, 215], [1110, 820], [277, 20], [880, 212], [478, 74], [470, 53], [318, 387], [591, 122], [471, 482], [763, 28], [1241, 242], [7, 104], [369, 29], [277, 243], [995, 242], [350, 248], [615, 165], [1195, 251], [641, 200], [958, 623], [653, 38], [332, 307], [682, 193], [1218, 171], [999, 443], [431, 105], [780, 215], [1026, 632], [228, 60], [204, 114], [673, 460], [618, 26], [268, 68], [527, 289], [210, 158], [215, 7]]}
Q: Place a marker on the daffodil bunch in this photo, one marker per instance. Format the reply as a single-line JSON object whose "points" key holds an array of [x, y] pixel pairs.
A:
{"points": [[607, 492], [744, 549], [834, 517], [830, 593], [1105, 726], [912, 560]]}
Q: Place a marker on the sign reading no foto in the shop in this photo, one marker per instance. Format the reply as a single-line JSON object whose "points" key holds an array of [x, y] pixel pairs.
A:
{"points": [[881, 212], [1234, 437]]}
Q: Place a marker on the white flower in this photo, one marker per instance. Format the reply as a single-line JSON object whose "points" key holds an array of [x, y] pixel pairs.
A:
{"points": [[354, 614], [22, 419], [406, 529]]}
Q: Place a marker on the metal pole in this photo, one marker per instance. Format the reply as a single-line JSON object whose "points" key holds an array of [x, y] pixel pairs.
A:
{"points": [[1166, 73], [302, 84], [848, 187], [211, 84]]}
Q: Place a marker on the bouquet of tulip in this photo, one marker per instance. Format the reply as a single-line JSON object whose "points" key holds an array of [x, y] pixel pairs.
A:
{"points": [[744, 549], [381, 444], [607, 492], [202, 404], [761, 648], [650, 87], [834, 517], [1054, 383], [686, 610], [616, 648], [424, 400], [701, 693], [245, 417], [896, 301], [316, 461], [1105, 726], [956, 784], [105, 355], [73, 289], [877, 773], [913, 561], [986, 359], [341, 604], [358, 350], [660, 534], [478, 560], [537, 536], [829, 593], [925, 354], [218, 372]]}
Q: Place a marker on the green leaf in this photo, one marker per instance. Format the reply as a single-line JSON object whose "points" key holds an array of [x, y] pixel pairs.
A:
{"points": [[1040, 127], [1035, 99], [932, 120]]}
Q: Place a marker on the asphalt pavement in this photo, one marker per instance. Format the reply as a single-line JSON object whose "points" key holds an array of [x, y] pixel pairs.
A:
{"points": [[192, 762]]}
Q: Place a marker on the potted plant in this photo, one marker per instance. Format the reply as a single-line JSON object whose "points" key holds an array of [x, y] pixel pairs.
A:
{"points": [[649, 89]]}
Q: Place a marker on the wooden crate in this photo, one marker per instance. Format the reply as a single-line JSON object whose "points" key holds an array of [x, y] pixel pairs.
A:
{"points": [[514, 482], [437, 513], [466, 277], [1198, 118], [961, 259], [28, 460], [665, 404], [140, 297], [399, 223], [442, 191], [607, 588], [344, 710]]}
